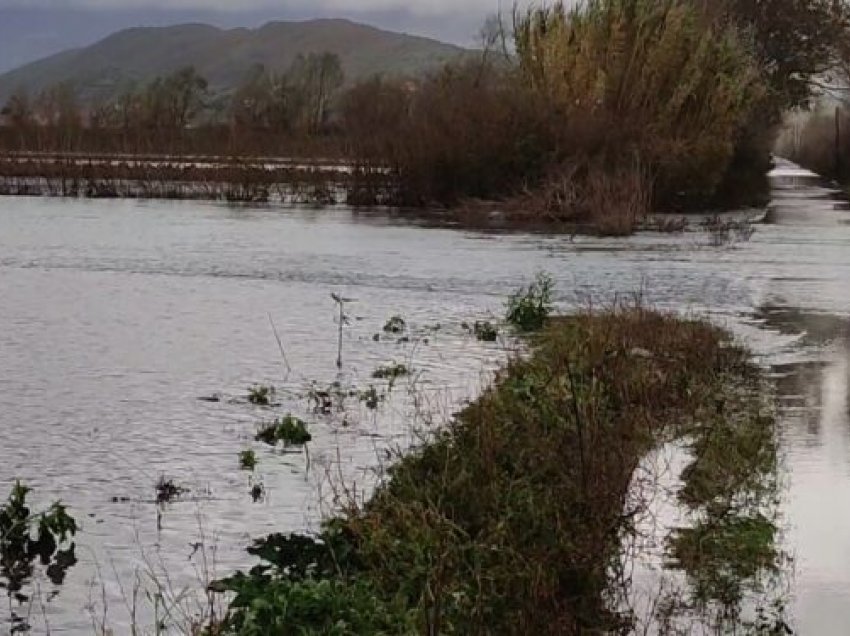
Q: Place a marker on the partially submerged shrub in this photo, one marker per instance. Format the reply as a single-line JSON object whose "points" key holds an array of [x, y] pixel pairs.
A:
{"points": [[261, 395], [485, 331], [371, 398], [290, 430], [395, 325], [391, 372], [528, 308], [167, 490], [608, 196], [467, 130], [722, 232], [247, 460]]}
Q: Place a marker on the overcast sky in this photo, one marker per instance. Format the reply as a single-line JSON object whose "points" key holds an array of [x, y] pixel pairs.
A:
{"points": [[31, 29]]}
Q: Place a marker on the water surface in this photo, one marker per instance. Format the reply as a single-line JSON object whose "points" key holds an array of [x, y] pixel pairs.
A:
{"points": [[116, 316]]}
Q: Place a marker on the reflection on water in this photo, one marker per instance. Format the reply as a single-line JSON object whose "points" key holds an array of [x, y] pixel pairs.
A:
{"points": [[115, 317], [816, 410]]}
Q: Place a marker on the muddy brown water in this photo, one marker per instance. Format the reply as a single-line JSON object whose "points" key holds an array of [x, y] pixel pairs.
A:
{"points": [[116, 316]]}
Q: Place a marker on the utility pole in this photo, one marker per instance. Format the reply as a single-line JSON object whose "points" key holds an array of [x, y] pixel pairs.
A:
{"points": [[838, 166]]}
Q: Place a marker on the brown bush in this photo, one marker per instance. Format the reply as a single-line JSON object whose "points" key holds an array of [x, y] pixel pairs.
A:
{"points": [[467, 131]]}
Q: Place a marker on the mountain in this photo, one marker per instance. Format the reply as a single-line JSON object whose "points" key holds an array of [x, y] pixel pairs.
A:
{"points": [[225, 56]]}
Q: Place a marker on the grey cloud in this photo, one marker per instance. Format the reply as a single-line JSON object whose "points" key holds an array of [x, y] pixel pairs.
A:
{"points": [[418, 7]]}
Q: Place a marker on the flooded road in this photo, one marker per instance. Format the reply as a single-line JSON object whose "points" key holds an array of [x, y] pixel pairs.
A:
{"points": [[116, 316]]}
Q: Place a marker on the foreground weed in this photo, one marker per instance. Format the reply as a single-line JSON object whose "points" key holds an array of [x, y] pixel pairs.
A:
{"points": [[27, 538]]}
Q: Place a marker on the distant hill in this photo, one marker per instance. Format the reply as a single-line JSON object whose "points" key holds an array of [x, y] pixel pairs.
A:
{"points": [[225, 57]]}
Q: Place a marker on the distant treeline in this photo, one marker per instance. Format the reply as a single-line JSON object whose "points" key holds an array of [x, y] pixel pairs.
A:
{"points": [[820, 141], [588, 115], [178, 114]]}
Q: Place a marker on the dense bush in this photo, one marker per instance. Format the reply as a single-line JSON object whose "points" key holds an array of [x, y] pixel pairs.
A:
{"points": [[469, 130], [529, 308], [670, 83], [605, 109]]}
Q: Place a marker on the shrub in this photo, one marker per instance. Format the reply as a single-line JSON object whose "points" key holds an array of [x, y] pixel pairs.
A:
{"points": [[391, 372], [290, 430], [247, 460], [395, 325], [486, 331], [371, 398], [666, 80], [167, 490], [261, 395], [528, 308], [468, 130]]}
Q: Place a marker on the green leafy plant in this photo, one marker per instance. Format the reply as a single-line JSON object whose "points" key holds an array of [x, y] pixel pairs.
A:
{"points": [[529, 308], [261, 395], [391, 372], [371, 398], [395, 325], [248, 460], [290, 430], [486, 331], [312, 583], [167, 490], [27, 537]]}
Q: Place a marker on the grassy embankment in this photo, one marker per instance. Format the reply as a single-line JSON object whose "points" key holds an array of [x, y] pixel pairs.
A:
{"points": [[511, 520]]}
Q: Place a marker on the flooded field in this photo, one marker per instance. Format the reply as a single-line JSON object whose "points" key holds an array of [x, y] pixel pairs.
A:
{"points": [[117, 316]]}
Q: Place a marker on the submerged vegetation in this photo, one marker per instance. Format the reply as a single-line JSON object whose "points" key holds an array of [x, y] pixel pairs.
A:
{"points": [[391, 372], [289, 430], [395, 325], [510, 520], [261, 395], [168, 490], [247, 460], [485, 331], [528, 309]]}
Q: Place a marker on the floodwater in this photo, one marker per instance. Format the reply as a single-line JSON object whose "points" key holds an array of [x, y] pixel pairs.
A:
{"points": [[117, 316]]}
